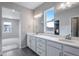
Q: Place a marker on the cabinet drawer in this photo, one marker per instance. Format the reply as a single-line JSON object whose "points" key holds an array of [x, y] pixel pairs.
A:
{"points": [[41, 40], [40, 52], [72, 50], [33, 43], [54, 44], [33, 48], [41, 46]]}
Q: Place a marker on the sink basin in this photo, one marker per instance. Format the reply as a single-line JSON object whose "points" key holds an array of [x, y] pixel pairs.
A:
{"points": [[66, 40]]}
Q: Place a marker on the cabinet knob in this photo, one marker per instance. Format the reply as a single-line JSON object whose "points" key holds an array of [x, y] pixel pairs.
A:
{"points": [[39, 45]]}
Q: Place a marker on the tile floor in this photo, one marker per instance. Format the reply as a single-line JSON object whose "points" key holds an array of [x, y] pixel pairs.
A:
{"points": [[20, 52], [10, 47]]}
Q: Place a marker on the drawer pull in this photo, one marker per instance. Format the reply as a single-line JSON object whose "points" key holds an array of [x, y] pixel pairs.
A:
{"points": [[40, 45]]}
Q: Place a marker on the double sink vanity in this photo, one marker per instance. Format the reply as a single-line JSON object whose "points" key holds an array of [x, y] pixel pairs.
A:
{"points": [[46, 45]]}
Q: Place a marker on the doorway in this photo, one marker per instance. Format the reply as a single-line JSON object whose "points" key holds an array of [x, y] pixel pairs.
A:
{"points": [[11, 29]]}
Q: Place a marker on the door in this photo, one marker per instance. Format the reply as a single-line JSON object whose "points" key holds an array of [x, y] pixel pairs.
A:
{"points": [[67, 54], [51, 51]]}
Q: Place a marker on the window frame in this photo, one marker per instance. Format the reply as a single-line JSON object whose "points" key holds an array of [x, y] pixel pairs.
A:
{"points": [[45, 22]]}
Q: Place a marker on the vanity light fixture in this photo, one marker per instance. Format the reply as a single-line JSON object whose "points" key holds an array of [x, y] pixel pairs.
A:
{"points": [[61, 6], [38, 15], [65, 5], [13, 10], [68, 4]]}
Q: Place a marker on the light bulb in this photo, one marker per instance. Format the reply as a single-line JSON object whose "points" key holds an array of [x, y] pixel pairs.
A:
{"points": [[63, 6], [68, 4]]}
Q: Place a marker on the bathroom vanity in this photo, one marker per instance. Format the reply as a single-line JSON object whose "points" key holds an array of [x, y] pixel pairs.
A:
{"points": [[52, 46]]}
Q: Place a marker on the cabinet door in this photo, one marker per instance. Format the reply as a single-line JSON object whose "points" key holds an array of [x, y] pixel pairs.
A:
{"points": [[28, 41], [33, 43], [67, 54], [41, 43], [70, 49], [51, 51]]}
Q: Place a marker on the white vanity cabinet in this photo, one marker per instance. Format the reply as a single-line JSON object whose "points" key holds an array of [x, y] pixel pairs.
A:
{"points": [[54, 49], [46, 47]]}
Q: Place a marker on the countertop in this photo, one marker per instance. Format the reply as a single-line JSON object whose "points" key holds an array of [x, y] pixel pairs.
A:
{"points": [[72, 42]]}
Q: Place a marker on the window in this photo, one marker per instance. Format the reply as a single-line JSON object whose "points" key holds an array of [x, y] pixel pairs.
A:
{"points": [[7, 27], [49, 20]]}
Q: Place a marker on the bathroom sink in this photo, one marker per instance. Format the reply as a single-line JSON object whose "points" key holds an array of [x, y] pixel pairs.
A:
{"points": [[66, 40]]}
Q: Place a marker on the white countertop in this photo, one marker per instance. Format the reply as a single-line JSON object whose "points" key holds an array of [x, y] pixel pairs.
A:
{"points": [[74, 43]]}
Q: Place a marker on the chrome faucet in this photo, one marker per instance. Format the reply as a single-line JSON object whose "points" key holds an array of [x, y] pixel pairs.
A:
{"points": [[37, 32], [68, 37]]}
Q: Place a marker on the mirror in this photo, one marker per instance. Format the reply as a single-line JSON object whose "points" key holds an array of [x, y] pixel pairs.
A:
{"points": [[66, 25], [75, 27]]}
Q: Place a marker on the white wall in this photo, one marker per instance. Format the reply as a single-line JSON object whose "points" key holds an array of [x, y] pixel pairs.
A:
{"points": [[26, 25]]}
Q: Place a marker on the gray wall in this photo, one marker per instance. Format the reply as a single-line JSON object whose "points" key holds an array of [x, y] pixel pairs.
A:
{"points": [[26, 25], [15, 29], [64, 17], [26, 20]]}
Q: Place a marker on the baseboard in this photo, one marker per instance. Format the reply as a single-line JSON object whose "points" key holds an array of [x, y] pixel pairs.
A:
{"points": [[23, 46]]}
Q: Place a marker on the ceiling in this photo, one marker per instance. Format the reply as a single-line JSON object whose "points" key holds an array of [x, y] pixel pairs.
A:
{"points": [[30, 5]]}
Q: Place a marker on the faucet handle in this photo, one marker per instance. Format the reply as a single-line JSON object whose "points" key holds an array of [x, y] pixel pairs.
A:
{"points": [[68, 36]]}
